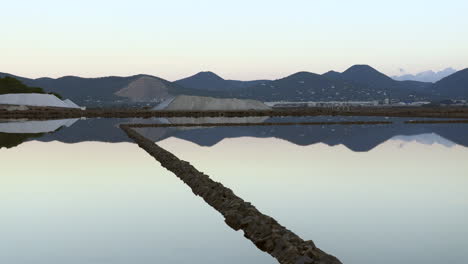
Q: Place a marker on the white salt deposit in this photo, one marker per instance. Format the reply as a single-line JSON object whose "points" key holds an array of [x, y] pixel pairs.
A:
{"points": [[35, 100], [70, 103], [199, 103]]}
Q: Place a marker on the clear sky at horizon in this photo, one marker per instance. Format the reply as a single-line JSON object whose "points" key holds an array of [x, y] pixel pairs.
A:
{"points": [[236, 39]]}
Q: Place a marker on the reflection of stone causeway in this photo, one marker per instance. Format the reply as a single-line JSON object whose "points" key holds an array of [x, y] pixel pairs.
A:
{"points": [[457, 121], [262, 124], [265, 232]]}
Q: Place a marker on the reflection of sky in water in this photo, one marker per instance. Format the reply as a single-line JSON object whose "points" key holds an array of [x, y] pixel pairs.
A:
{"points": [[405, 201], [106, 203]]}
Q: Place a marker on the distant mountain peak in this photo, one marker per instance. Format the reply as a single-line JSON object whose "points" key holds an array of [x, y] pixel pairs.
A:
{"points": [[332, 74], [367, 74], [426, 76], [361, 68], [207, 75], [301, 73], [209, 81]]}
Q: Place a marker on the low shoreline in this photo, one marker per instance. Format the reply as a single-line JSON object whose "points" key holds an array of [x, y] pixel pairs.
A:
{"points": [[41, 113]]}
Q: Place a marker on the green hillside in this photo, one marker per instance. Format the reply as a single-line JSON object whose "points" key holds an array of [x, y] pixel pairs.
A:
{"points": [[10, 85]]}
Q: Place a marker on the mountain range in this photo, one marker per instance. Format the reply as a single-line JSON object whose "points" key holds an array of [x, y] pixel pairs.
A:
{"points": [[426, 76], [358, 83]]}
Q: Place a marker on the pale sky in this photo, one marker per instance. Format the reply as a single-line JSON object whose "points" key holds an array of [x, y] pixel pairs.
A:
{"points": [[256, 39]]}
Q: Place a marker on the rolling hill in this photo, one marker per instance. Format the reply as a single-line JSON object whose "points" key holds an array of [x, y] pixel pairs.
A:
{"points": [[302, 86], [358, 83], [211, 82], [366, 76], [454, 86], [106, 90]]}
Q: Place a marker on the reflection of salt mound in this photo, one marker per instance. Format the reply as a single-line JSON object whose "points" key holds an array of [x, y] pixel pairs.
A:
{"points": [[199, 103], [426, 139], [36, 100], [33, 127], [157, 133]]}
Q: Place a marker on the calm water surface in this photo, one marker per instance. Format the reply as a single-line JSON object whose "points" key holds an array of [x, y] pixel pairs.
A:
{"points": [[403, 202], [83, 193], [95, 202]]}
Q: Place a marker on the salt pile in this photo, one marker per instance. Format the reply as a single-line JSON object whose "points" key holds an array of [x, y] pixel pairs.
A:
{"points": [[36, 100], [200, 103], [70, 103]]}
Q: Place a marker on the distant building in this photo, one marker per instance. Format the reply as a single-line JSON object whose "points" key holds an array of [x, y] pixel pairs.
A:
{"points": [[421, 103], [322, 104]]}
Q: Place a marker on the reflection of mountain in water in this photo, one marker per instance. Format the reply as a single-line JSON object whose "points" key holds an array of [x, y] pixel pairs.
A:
{"points": [[355, 137], [8, 140], [13, 133], [426, 139]]}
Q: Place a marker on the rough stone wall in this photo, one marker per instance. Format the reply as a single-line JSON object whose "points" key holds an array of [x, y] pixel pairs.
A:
{"points": [[61, 113], [201, 103], [263, 124], [264, 231]]}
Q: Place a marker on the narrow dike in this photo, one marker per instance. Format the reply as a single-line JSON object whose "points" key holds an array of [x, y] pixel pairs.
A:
{"points": [[264, 231], [265, 124]]}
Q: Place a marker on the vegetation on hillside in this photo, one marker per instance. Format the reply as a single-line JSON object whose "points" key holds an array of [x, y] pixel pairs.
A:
{"points": [[10, 85], [9, 140]]}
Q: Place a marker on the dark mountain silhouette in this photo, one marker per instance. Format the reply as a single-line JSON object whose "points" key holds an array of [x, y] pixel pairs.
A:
{"points": [[332, 75], [454, 86], [304, 86], [366, 76], [212, 82], [358, 83], [102, 91]]}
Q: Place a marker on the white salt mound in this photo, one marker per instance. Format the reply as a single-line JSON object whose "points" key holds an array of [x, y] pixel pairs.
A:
{"points": [[199, 103], [35, 100], [70, 103]]}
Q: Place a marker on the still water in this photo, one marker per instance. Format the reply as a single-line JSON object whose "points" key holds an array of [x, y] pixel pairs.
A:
{"points": [[95, 202], [81, 192]]}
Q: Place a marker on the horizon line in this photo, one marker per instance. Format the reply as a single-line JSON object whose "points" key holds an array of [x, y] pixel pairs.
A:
{"points": [[208, 71]]}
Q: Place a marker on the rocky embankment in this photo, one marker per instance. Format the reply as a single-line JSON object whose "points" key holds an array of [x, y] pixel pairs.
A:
{"points": [[263, 124], [202, 103], [265, 232], [62, 113]]}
